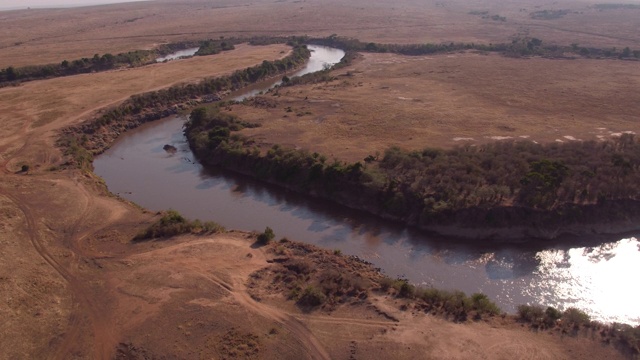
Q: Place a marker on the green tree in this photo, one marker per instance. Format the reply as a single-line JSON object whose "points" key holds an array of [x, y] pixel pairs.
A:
{"points": [[540, 184], [11, 73], [266, 236]]}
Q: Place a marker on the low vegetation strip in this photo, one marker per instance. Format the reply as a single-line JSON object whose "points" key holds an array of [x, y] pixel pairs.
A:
{"points": [[14, 76], [94, 136], [500, 185], [519, 46], [574, 321], [172, 223]]}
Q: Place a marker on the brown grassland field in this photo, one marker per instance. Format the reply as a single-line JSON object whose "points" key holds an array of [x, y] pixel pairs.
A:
{"points": [[450, 99], [73, 284]]}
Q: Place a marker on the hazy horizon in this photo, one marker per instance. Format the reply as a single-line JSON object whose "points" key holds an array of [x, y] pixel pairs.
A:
{"points": [[39, 4]]}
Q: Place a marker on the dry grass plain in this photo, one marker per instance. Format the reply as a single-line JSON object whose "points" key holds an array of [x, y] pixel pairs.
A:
{"points": [[49, 36], [73, 286], [451, 99]]}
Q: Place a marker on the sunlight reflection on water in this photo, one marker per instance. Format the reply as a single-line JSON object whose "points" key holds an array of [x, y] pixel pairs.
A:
{"points": [[599, 280]]}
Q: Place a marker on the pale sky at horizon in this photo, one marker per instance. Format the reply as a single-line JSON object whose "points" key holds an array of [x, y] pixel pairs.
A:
{"points": [[23, 4]]}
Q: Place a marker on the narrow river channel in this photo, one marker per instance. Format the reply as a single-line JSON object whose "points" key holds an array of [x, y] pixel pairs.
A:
{"points": [[599, 280]]}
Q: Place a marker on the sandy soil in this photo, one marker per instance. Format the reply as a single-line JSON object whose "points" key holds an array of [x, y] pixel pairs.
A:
{"points": [[73, 286], [50, 36], [451, 99]]}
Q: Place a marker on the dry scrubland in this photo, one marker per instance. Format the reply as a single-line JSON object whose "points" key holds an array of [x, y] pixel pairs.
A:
{"points": [[74, 286], [447, 100], [50, 36]]}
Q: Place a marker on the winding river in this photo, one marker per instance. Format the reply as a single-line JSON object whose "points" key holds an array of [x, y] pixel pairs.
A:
{"points": [[597, 279], [179, 54]]}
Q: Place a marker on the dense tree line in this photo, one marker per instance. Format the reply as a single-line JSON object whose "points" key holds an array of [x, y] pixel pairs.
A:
{"points": [[78, 66], [519, 46], [211, 47], [498, 184], [403, 49], [97, 63]]}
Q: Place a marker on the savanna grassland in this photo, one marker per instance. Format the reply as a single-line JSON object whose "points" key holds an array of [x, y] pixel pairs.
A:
{"points": [[444, 100], [75, 284]]}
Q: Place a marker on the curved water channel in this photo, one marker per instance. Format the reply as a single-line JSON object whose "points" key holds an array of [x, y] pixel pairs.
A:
{"points": [[179, 54], [597, 279]]}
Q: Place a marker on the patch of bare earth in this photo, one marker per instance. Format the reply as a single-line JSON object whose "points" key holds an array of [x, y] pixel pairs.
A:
{"points": [[450, 99]]}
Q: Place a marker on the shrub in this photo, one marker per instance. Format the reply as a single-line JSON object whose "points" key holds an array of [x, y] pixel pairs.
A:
{"points": [[386, 283], [553, 314], [575, 317], [266, 236], [483, 305], [173, 223], [531, 313], [312, 297], [212, 227], [406, 290], [299, 266]]}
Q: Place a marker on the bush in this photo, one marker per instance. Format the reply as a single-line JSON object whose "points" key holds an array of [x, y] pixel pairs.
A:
{"points": [[299, 266], [531, 313], [173, 223], [312, 297], [483, 305], [266, 236], [553, 314], [406, 290], [575, 317], [212, 227], [386, 283], [547, 318]]}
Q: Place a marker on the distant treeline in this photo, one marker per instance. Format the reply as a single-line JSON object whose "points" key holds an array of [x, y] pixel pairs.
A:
{"points": [[12, 75], [500, 184], [520, 46], [86, 139]]}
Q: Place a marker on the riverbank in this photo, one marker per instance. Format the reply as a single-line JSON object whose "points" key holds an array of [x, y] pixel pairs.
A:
{"points": [[62, 233], [387, 186]]}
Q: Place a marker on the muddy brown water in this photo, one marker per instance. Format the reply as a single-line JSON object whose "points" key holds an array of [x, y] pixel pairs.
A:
{"points": [[593, 278]]}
